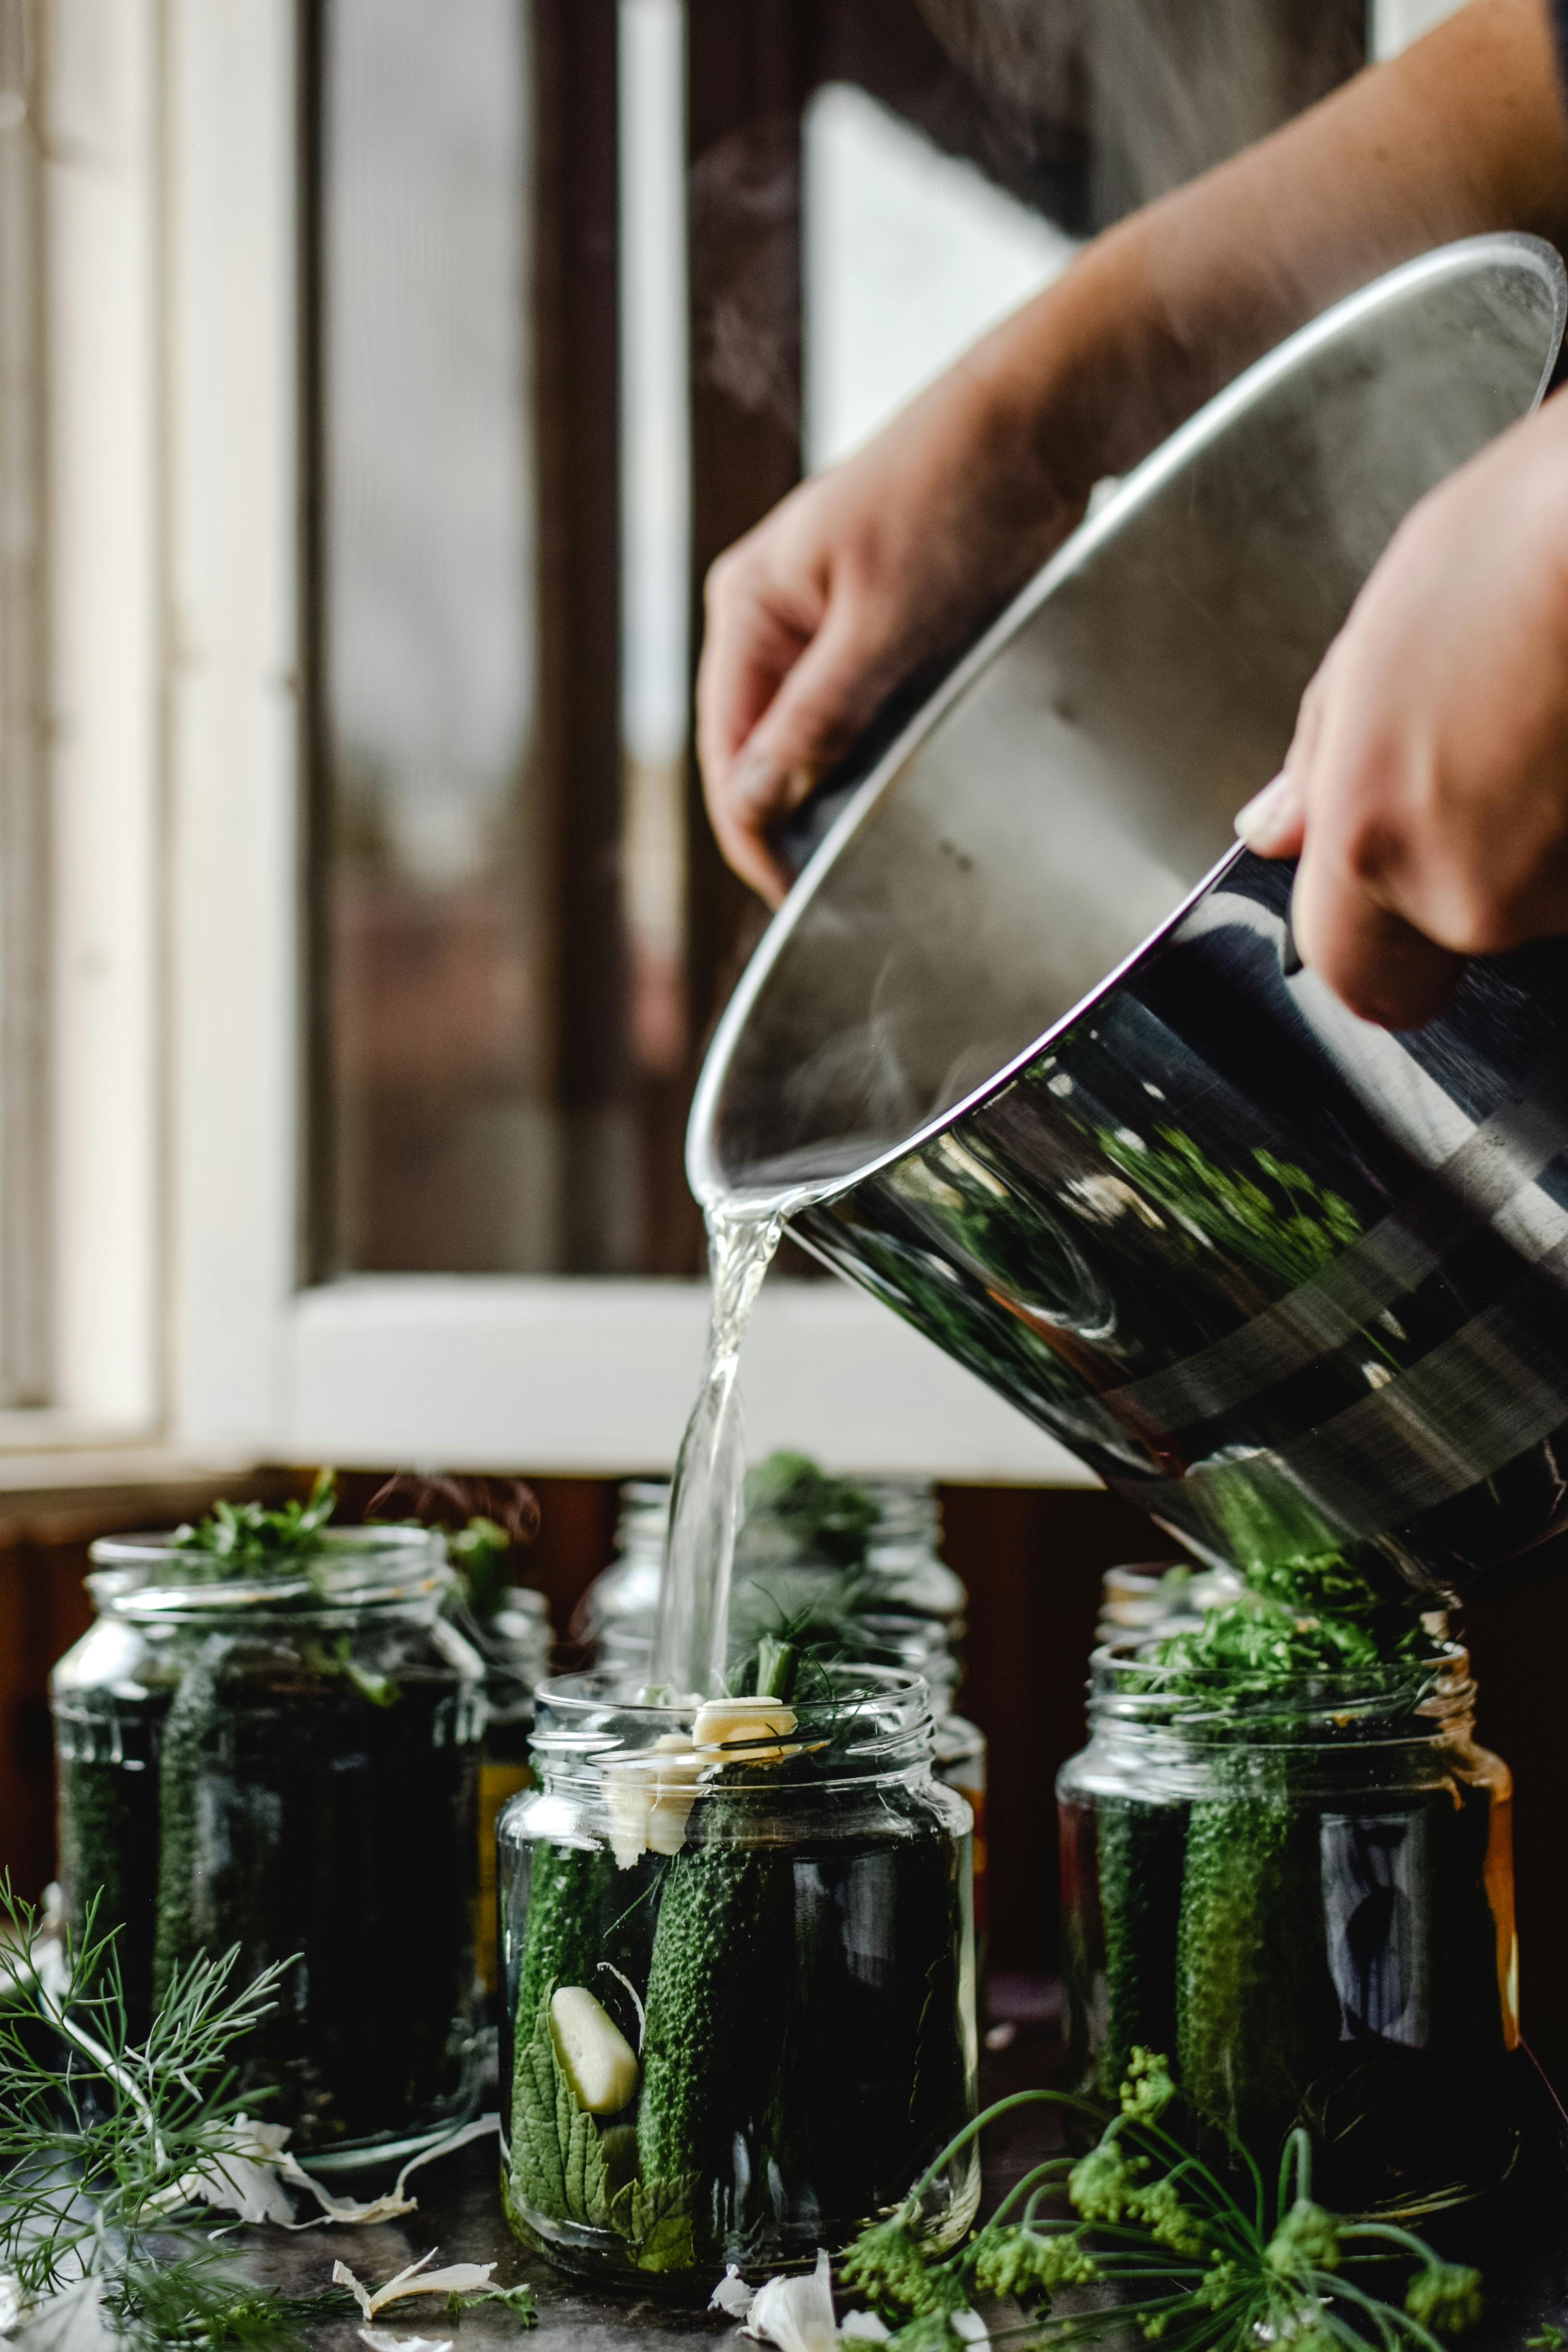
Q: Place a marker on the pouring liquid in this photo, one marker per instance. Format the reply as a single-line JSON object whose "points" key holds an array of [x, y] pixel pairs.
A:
{"points": [[691, 1632]]}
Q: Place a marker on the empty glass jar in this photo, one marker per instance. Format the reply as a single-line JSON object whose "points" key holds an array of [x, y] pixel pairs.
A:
{"points": [[740, 1977], [1304, 1898], [287, 1761]]}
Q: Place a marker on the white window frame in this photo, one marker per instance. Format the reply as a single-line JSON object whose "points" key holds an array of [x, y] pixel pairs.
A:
{"points": [[180, 1326]]}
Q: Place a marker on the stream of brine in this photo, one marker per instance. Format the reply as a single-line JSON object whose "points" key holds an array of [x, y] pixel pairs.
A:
{"points": [[692, 1634]]}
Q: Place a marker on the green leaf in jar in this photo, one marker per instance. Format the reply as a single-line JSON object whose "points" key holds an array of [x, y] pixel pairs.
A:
{"points": [[557, 2165], [655, 2217]]}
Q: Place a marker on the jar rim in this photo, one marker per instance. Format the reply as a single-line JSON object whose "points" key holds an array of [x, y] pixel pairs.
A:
{"points": [[1127, 1686], [869, 1720], [148, 1575]]}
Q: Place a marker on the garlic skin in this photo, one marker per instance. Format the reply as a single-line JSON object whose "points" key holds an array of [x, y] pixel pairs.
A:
{"points": [[796, 2314]]}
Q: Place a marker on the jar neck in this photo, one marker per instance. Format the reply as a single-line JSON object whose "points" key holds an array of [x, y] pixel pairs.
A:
{"points": [[350, 1574], [857, 1724], [1419, 1702]]}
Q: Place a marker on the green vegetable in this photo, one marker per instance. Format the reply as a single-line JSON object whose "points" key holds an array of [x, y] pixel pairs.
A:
{"points": [[1139, 1855], [715, 1993], [556, 2165], [240, 1538], [826, 1519], [568, 1886], [1189, 2264], [1256, 2014], [121, 2118], [481, 1554]]}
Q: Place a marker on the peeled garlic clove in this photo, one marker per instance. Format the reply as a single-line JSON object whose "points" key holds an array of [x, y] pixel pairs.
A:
{"points": [[594, 2054], [722, 1722]]}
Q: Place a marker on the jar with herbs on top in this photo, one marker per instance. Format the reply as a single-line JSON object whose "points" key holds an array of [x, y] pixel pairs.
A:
{"points": [[1298, 1886], [739, 1974], [270, 1738]]}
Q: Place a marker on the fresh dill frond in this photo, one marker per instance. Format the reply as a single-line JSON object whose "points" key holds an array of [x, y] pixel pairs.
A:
{"points": [[1141, 2218], [100, 2135], [236, 1536]]}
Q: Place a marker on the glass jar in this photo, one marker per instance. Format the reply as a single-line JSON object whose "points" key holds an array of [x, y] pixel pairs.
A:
{"points": [[1304, 1898], [614, 1620], [900, 1587], [761, 1912], [287, 1761], [513, 1643], [1160, 1597]]}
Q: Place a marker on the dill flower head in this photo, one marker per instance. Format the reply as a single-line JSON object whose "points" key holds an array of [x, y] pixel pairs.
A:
{"points": [[1307, 2239], [1445, 2297], [1025, 2263], [888, 2264]]}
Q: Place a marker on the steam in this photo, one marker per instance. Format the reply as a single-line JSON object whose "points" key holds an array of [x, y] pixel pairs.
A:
{"points": [[745, 281]]}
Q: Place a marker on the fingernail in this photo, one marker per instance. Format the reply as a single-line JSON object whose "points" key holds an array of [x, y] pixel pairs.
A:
{"points": [[1269, 813]]}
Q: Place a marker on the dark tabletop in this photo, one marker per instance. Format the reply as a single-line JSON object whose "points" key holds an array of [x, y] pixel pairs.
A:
{"points": [[1518, 2235]]}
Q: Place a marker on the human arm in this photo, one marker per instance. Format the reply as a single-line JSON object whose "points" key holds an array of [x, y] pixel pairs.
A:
{"points": [[863, 570]]}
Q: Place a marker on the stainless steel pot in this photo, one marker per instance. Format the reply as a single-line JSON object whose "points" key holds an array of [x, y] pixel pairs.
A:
{"points": [[1028, 1049]]}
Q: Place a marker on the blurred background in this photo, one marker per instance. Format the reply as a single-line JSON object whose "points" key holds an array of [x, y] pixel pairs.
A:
{"points": [[377, 381]]}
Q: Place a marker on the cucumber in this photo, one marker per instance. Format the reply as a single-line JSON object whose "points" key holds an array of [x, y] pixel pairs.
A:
{"points": [[1140, 1856], [563, 1936], [717, 1999], [1257, 2020]]}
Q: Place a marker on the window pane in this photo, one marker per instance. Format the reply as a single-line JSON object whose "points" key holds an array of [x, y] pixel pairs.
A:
{"points": [[910, 255], [447, 1136], [502, 443]]}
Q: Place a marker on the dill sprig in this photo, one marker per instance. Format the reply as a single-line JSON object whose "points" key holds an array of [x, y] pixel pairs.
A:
{"points": [[238, 1536], [1144, 2220], [99, 2133]]}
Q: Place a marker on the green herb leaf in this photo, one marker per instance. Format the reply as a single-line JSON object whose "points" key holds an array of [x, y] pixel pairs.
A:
{"points": [[238, 1537], [127, 2122], [655, 2218], [1192, 2267], [557, 2165]]}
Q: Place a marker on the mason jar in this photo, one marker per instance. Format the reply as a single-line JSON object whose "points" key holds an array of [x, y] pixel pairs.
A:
{"points": [[1303, 1896], [901, 1588], [287, 1761], [513, 1641], [740, 1979], [614, 1620]]}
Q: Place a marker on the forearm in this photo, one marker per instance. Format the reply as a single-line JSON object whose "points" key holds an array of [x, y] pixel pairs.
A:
{"points": [[1463, 133]]}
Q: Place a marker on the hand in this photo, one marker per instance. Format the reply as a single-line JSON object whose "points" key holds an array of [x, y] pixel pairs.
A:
{"points": [[1426, 790], [817, 614]]}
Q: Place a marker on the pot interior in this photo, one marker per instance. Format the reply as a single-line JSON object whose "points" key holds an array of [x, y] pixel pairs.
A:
{"points": [[1074, 781]]}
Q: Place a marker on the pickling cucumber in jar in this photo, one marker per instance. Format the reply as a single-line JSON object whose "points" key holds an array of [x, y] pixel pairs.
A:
{"points": [[739, 1954], [1298, 1886], [268, 1740]]}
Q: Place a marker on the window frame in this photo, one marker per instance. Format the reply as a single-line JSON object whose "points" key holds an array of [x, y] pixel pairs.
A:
{"points": [[185, 1323]]}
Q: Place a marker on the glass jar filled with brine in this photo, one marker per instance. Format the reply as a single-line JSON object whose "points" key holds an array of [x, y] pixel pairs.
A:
{"points": [[1301, 1890], [740, 1974], [283, 1757]]}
